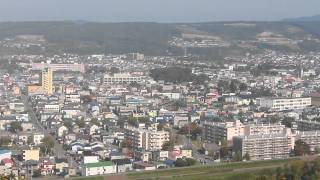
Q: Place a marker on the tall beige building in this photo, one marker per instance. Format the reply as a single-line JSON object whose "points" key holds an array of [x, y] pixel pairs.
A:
{"points": [[265, 146], [217, 131], [46, 81]]}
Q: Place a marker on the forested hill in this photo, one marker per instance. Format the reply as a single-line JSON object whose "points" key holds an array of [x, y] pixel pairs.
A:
{"points": [[225, 38], [96, 37]]}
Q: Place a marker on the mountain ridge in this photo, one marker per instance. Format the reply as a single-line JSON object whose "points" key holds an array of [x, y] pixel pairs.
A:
{"points": [[304, 19]]}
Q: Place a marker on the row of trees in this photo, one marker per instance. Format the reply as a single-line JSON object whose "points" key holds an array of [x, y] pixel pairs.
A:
{"points": [[193, 128], [177, 75], [45, 148], [182, 162], [231, 86], [47, 145], [5, 141], [237, 157], [134, 120], [302, 170], [301, 148], [80, 123]]}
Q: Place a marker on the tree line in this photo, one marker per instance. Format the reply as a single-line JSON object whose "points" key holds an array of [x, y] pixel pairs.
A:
{"points": [[177, 75]]}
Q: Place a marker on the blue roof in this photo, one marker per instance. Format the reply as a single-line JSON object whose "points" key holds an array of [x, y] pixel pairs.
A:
{"points": [[4, 151]]}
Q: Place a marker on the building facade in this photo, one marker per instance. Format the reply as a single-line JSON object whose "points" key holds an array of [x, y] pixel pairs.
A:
{"points": [[308, 125], [264, 147], [282, 104], [47, 81], [32, 154], [120, 78], [148, 139], [215, 132], [98, 168], [59, 67]]}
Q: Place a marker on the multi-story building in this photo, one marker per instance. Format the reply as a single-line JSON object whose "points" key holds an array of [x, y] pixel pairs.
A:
{"points": [[47, 81], [312, 138], [267, 146], [282, 104], [218, 131], [215, 132], [120, 78], [308, 125], [260, 129], [59, 67], [148, 139]]}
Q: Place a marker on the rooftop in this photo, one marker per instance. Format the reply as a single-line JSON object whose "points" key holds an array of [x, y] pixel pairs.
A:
{"points": [[98, 164]]}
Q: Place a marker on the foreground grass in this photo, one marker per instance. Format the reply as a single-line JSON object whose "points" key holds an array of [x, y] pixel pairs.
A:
{"points": [[220, 171], [89, 178]]}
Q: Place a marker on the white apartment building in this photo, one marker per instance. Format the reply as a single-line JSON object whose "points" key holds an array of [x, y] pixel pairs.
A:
{"points": [[215, 132], [75, 98], [51, 108], [120, 78], [282, 104], [148, 139], [17, 106], [267, 146]]}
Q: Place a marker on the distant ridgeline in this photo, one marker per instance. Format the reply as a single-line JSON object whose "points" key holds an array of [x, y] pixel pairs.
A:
{"points": [[209, 40]]}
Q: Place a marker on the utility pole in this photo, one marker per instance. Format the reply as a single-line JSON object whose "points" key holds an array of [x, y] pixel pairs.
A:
{"points": [[189, 128]]}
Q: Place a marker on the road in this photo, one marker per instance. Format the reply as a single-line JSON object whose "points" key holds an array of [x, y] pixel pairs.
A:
{"points": [[58, 150], [203, 159]]}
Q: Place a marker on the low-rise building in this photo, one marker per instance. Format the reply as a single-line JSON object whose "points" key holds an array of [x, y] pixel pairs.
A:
{"points": [[31, 154], [98, 168], [123, 165], [37, 138]]}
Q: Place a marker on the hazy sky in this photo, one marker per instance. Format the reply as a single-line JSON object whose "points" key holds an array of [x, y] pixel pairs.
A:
{"points": [[155, 10]]}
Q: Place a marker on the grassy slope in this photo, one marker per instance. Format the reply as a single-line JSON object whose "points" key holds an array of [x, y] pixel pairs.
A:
{"points": [[213, 172]]}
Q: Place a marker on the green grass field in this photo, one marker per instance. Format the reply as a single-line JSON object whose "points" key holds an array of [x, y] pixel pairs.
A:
{"points": [[220, 171]]}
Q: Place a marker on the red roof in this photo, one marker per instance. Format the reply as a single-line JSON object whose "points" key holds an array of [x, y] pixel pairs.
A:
{"points": [[7, 160]]}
